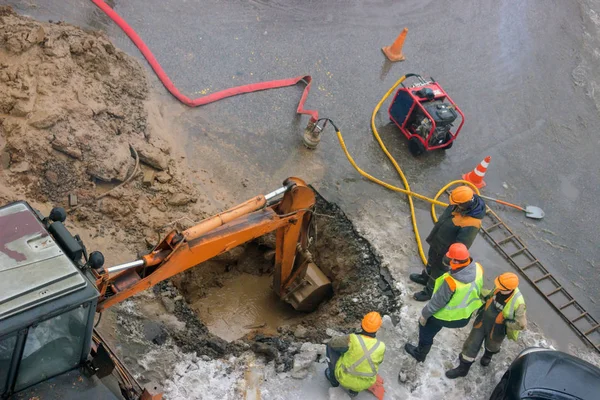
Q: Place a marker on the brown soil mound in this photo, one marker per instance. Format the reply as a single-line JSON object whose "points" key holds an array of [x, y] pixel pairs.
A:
{"points": [[72, 108]]}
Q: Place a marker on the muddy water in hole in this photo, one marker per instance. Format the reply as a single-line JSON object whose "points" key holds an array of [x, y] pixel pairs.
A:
{"points": [[244, 303]]}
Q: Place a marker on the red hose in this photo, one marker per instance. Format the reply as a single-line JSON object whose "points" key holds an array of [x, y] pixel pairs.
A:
{"points": [[200, 101]]}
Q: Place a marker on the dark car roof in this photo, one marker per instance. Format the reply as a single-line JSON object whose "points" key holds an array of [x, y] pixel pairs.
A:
{"points": [[560, 372]]}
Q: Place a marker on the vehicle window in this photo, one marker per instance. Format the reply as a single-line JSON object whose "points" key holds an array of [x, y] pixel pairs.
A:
{"points": [[7, 347], [52, 347]]}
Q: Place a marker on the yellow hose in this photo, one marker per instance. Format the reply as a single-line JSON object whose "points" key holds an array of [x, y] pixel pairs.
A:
{"points": [[407, 191]]}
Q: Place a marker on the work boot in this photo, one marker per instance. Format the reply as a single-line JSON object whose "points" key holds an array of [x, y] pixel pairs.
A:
{"points": [[352, 393], [423, 295], [419, 353], [331, 378], [461, 370], [421, 278], [486, 359]]}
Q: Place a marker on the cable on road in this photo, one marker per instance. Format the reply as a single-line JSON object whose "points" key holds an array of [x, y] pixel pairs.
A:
{"points": [[211, 98]]}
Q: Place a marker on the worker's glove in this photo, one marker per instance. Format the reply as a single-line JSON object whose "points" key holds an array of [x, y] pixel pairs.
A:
{"points": [[422, 320]]}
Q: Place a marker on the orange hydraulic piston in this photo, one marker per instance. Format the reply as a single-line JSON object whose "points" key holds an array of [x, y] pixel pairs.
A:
{"points": [[221, 219]]}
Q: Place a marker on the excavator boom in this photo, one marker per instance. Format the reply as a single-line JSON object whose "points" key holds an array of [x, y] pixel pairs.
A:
{"points": [[296, 279]]}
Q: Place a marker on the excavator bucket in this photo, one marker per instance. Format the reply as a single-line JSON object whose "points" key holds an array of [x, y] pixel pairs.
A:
{"points": [[313, 289]]}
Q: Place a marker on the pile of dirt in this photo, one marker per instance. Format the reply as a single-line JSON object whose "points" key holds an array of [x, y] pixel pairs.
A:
{"points": [[74, 111]]}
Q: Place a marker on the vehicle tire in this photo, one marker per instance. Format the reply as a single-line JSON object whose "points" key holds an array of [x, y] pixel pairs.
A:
{"points": [[499, 392], [415, 146]]}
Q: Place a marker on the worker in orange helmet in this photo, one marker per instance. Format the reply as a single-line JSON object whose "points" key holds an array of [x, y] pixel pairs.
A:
{"points": [[502, 316], [456, 296], [353, 360], [459, 223]]}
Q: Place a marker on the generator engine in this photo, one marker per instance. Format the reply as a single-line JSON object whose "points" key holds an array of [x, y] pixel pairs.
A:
{"points": [[443, 114], [426, 115]]}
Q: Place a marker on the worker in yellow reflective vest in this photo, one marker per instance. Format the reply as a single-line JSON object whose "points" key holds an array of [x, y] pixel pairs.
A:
{"points": [[456, 295], [502, 316], [353, 360]]}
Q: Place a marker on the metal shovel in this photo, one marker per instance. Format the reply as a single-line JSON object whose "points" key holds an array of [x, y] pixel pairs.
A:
{"points": [[530, 211]]}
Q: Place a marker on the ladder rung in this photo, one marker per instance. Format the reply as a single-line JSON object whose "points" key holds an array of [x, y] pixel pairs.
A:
{"points": [[516, 253], [530, 265], [567, 305], [542, 278], [558, 289], [578, 318], [592, 330], [497, 224], [506, 239]]}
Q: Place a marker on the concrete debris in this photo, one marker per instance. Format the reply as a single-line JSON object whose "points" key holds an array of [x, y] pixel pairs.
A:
{"points": [[153, 157], [4, 159], [72, 200], [163, 177], [320, 349], [148, 178], [21, 167], [302, 363], [51, 177], [332, 332], [301, 332], [168, 303], [180, 199], [62, 145]]}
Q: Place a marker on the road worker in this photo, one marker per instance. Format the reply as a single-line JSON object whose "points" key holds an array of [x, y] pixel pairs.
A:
{"points": [[459, 223], [503, 315], [353, 360], [456, 295]]}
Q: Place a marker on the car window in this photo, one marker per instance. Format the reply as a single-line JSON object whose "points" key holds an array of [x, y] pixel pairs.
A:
{"points": [[52, 347], [7, 347]]}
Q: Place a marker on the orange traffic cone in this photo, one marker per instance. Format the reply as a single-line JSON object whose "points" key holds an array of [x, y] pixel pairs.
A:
{"points": [[394, 52], [476, 176], [377, 388]]}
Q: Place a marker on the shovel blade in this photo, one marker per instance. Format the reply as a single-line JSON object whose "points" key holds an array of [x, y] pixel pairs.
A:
{"points": [[534, 212]]}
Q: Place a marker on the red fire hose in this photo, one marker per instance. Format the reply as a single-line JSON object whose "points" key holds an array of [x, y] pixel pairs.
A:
{"points": [[200, 101]]}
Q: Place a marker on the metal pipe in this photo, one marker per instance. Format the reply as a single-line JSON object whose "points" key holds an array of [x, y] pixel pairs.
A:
{"points": [[276, 193], [123, 267]]}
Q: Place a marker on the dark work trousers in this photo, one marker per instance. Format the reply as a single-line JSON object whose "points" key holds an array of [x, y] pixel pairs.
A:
{"points": [[332, 359], [485, 330], [434, 325], [435, 268]]}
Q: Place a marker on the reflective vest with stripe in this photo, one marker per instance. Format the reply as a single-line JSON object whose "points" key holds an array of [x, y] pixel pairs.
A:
{"points": [[357, 368], [515, 301], [465, 300]]}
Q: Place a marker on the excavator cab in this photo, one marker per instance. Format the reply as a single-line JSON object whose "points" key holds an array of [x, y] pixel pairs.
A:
{"points": [[47, 307]]}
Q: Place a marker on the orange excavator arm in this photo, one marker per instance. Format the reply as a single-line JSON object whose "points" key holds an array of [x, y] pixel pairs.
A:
{"points": [[296, 279]]}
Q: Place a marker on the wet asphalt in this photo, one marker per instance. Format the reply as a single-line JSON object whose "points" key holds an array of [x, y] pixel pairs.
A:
{"points": [[508, 65]]}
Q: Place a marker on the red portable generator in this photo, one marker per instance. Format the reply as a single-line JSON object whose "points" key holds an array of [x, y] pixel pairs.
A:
{"points": [[426, 115]]}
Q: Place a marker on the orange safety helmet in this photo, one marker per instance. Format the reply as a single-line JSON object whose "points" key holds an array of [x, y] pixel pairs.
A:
{"points": [[371, 322], [460, 195], [507, 281], [458, 255]]}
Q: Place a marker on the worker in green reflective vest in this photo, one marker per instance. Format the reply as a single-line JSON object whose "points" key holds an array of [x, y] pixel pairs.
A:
{"points": [[353, 360], [456, 295], [502, 316]]}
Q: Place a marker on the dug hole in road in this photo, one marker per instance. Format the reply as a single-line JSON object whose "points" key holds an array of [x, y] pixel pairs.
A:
{"points": [[72, 107]]}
